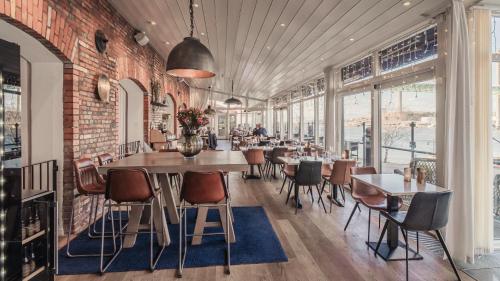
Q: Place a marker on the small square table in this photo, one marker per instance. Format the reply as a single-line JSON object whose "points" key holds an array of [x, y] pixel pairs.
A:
{"points": [[394, 186]]}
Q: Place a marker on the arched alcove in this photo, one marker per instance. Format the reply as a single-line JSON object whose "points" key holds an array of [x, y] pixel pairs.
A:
{"points": [[131, 111]]}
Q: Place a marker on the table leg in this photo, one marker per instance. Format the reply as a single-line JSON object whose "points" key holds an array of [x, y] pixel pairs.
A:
{"points": [[133, 225], [168, 195], [252, 174], [392, 249], [199, 227], [201, 223]]}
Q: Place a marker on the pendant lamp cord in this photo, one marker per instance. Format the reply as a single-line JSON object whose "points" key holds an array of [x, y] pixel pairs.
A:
{"points": [[191, 16], [232, 88]]}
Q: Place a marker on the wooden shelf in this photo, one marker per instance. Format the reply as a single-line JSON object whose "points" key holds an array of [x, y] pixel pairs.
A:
{"points": [[34, 273], [33, 237]]}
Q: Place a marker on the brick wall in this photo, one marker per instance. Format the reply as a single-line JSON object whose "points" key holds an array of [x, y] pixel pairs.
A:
{"points": [[67, 28]]}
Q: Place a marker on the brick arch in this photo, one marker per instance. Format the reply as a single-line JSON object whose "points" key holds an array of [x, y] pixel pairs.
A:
{"points": [[146, 105]]}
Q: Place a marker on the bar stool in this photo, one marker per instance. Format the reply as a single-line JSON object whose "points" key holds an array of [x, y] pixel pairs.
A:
{"points": [[369, 196], [307, 174], [339, 177], [129, 187], [212, 193], [88, 183], [428, 211]]}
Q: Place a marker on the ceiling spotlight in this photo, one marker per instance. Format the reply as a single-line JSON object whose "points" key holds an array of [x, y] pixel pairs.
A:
{"points": [[196, 5], [322, 59], [268, 47], [351, 39], [202, 34], [406, 3], [167, 43], [282, 25], [151, 22]]}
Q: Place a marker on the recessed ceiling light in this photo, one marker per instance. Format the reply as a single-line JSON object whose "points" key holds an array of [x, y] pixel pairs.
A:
{"points": [[268, 47], [351, 39], [282, 25], [167, 42], [196, 5], [151, 22], [322, 59], [260, 61], [202, 34], [406, 3]]}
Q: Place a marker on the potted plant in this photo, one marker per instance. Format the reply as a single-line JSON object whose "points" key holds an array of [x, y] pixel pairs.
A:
{"points": [[191, 120]]}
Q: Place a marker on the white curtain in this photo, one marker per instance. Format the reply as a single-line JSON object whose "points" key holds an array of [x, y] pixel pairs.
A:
{"points": [[480, 43], [459, 149], [198, 98]]}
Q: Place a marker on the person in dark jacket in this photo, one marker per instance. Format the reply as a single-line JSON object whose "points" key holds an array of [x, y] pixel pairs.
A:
{"points": [[259, 131], [212, 140]]}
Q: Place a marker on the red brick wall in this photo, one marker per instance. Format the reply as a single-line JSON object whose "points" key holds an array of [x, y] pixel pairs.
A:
{"points": [[67, 28]]}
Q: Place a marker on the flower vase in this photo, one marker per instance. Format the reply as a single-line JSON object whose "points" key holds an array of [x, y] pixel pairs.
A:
{"points": [[190, 144]]}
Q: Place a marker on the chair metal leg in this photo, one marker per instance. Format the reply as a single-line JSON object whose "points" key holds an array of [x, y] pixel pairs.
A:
{"points": [[406, 256], [445, 248], [312, 196], [322, 188], [290, 186], [331, 201], [369, 217], [283, 185], [359, 209], [418, 246], [381, 237], [350, 217], [181, 255], [228, 241], [320, 198]]}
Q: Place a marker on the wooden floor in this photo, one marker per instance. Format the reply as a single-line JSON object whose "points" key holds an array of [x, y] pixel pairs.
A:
{"points": [[315, 243]]}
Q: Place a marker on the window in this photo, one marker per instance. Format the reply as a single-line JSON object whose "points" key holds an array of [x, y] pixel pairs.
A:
{"points": [[359, 70], [284, 123], [277, 123], [495, 71], [357, 120], [415, 49], [296, 121], [408, 129], [309, 127], [12, 115], [321, 120]]}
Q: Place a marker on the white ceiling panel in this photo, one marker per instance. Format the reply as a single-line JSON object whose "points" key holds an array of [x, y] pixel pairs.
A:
{"points": [[267, 46]]}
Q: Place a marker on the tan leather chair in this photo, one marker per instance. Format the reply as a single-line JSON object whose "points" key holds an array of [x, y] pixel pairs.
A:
{"points": [[203, 189], [255, 157], [127, 187], [104, 159], [339, 177]]}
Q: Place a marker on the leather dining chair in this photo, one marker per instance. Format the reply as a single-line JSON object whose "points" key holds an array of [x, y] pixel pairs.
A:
{"points": [[308, 174], [129, 187], [428, 211], [367, 195], [288, 171], [88, 183], [104, 159], [255, 157], [212, 193], [339, 177], [274, 160]]}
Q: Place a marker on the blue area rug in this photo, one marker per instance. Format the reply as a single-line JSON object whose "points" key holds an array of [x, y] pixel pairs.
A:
{"points": [[256, 242]]}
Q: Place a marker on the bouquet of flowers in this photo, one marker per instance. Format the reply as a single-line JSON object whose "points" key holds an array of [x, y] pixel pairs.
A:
{"points": [[191, 119]]}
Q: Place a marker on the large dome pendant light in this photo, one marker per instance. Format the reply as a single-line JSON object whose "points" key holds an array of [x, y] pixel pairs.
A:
{"points": [[232, 99], [190, 58]]}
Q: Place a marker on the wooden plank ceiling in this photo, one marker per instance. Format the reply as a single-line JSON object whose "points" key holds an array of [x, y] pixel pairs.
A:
{"points": [[268, 46]]}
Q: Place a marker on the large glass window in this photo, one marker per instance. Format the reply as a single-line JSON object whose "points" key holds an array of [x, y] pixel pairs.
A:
{"points": [[321, 120], [309, 113], [408, 129], [296, 121], [284, 123], [495, 71], [357, 129], [277, 123]]}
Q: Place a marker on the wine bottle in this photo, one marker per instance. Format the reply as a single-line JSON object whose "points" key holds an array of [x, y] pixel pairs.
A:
{"points": [[36, 223], [32, 260], [26, 268]]}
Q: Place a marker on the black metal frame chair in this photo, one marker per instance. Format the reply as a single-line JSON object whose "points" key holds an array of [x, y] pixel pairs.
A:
{"points": [[428, 211], [308, 174]]}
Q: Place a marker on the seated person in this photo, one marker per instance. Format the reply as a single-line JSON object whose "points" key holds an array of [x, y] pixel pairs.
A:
{"points": [[212, 140], [259, 131]]}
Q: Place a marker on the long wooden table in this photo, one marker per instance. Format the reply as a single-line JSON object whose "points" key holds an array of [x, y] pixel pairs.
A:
{"points": [[159, 165], [394, 186]]}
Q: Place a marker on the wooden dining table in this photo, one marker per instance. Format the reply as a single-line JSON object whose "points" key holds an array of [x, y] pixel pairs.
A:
{"points": [[158, 166], [394, 186]]}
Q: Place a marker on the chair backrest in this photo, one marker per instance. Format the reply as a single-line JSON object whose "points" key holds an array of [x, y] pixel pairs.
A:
{"points": [[341, 171], [255, 156], [278, 152], [203, 187], [129, 185], [86, 175], [429, 165], [308, 173], [104, 159], [428, 211], [360, 189]]}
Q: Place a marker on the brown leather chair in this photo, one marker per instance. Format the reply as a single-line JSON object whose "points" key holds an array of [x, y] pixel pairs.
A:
{"points": [[127, 187], [367, 195], [288, 171], [212, 193], [339, 177], [104, 159], [88, 183], [255, 157]]}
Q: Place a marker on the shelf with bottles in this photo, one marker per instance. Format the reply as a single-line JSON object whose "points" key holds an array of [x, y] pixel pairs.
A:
{"points": [[34, 260], [33, 223]]}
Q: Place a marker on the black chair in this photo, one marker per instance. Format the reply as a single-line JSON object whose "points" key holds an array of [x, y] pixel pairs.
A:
{"points": [[274, 160], [427, 212], [308, 174]]}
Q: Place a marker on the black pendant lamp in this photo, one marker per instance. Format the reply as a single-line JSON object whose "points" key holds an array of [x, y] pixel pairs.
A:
{"points": [[232, 99], [190, 58], [210, 111]]}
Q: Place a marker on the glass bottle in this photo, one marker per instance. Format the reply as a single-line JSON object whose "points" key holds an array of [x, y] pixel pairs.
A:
{"points": [[33, 258], [26, 268], [36, 219]]}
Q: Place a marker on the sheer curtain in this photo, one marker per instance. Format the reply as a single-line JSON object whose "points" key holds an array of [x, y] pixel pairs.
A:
{"points": [[198, 98], [480, 42], [459, 149]]}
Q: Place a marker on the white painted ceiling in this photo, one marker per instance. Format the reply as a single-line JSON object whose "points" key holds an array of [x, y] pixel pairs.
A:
{"points": [[267, 46]]}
